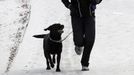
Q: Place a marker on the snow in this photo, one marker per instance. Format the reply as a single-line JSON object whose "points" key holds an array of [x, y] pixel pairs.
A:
{"points": [[112, 53]]}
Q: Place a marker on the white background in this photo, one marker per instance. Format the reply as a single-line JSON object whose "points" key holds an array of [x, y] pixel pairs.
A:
{"points": [[112, 54]]}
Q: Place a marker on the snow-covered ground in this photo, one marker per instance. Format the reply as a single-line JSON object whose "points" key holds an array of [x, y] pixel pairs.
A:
{"points": [[112, 53]]}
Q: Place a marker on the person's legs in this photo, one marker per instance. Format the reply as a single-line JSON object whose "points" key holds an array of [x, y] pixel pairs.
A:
{"points": [[89, 24], [77, 28]]}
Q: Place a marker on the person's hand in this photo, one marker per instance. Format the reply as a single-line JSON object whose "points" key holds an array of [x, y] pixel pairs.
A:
{"points": [[96, 1]]}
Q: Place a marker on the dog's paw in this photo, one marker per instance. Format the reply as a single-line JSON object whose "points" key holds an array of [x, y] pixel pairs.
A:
{"points": [[52, 65], [48, 68], [58, 70]]}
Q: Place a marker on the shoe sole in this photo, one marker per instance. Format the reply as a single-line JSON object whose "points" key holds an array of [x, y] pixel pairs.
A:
{"points": [[85, 70]]}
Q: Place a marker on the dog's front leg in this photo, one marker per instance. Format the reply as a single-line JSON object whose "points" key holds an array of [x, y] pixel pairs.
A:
{"points": [[58, 62], [47, 62], [48, 67], [54, 58]]}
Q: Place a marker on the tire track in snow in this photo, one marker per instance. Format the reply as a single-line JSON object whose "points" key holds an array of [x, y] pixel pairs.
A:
{"points": [[24, 20]]}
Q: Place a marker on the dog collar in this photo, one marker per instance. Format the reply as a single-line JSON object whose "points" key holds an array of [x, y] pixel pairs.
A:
{"points": [[57, 41]]}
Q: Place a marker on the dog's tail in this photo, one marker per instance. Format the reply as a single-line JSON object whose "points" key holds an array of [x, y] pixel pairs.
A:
{"points": [[40, 36]]}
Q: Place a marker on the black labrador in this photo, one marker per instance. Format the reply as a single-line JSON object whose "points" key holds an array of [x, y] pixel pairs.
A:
{"points": [[52, 45]]}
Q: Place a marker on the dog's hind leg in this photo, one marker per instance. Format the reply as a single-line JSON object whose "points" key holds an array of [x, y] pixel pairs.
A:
{"points": [[51, 62], [58, 62], [54, 58]]}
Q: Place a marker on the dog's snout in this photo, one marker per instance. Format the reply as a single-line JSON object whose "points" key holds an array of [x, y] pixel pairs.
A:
{"points": [[62, 26]]}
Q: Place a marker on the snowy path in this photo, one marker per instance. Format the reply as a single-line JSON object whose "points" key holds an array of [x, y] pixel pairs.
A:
{"points": [[113, 50]]}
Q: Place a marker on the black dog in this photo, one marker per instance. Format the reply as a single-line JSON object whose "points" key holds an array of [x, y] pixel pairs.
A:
{"points": [[52, 45]]}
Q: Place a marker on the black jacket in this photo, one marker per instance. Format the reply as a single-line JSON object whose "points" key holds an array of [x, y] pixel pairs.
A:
{"points": [[81, 8]]}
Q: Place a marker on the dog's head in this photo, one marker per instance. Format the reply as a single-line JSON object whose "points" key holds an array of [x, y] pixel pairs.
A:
{"points": [[55, 28]]}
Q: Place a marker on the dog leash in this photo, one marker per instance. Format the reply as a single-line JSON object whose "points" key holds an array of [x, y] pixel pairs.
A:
{"points": [[67, 36], [60, 41]]}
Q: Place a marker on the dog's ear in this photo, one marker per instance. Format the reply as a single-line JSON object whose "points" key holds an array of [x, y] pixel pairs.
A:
{"points": [[49, 28]]}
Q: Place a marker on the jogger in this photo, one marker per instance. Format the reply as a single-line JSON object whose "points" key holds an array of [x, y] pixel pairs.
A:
{"points": [[84, 35], [83, 25]]}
